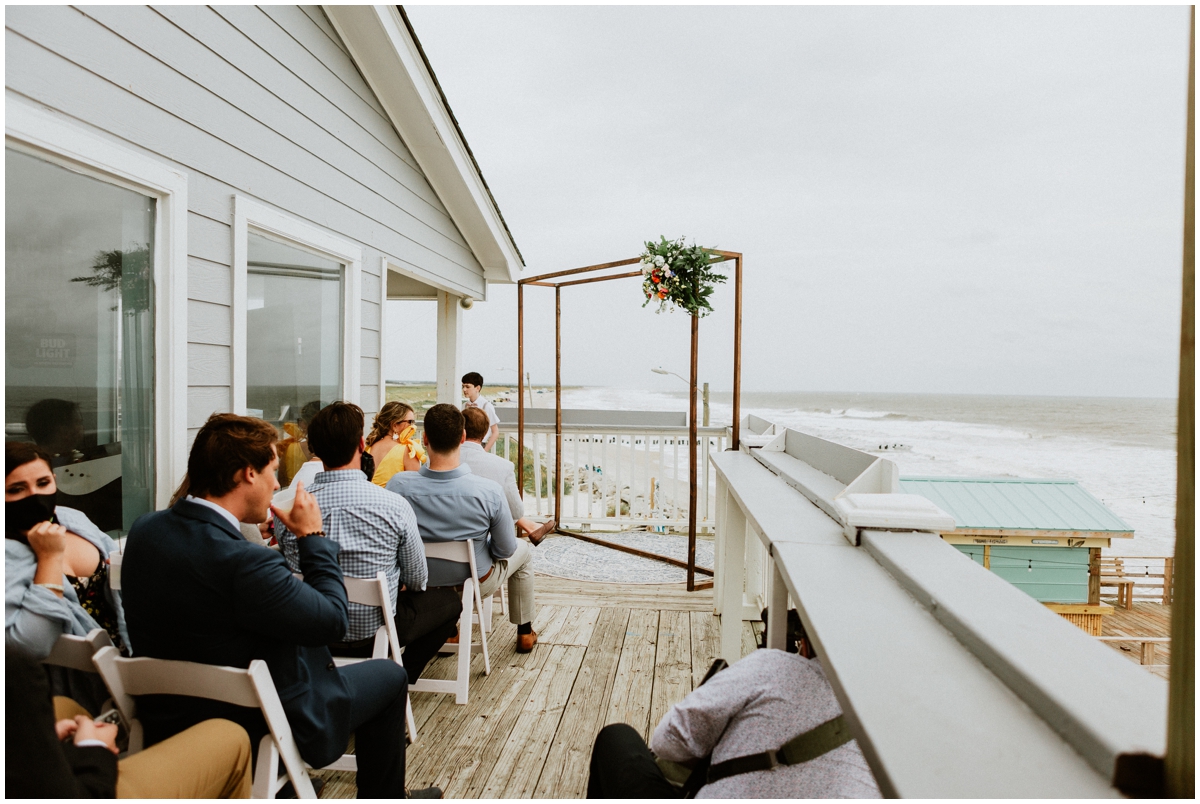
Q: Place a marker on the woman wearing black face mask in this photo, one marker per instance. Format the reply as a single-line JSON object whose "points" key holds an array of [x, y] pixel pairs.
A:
{"points": [[55, 562]]}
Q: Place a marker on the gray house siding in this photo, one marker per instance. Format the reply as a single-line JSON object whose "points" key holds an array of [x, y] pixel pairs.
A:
{"points": [[262, 102]]}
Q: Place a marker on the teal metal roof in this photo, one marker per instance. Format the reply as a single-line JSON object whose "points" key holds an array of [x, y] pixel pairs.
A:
{"points": [[1016, 504]]}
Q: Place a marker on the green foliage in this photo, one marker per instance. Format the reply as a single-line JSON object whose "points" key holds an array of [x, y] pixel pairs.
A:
{"points": [[127, 272], [679, 275]]}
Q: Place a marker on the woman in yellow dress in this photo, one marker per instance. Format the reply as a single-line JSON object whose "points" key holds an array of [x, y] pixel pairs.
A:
{"points": [[392, 443]]}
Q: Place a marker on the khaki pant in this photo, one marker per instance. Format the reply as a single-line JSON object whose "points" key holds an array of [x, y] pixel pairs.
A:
{"points": [[517, 569], [209, 760]]}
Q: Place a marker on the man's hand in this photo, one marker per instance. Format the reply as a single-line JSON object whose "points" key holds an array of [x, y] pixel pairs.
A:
{"points": [[64, 729], [305, 516], [88, 729], [84, 728]]}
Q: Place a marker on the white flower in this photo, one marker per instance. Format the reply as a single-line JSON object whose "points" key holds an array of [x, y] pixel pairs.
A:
{"points": [[659, 261]]}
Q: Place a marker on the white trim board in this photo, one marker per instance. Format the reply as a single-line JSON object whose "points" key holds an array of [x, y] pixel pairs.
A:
{"points": [[390, 62], [53, 137], [249, 214]]}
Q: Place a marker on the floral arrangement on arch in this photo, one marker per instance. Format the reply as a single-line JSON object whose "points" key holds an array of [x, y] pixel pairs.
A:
{"points": [[677, 275]]}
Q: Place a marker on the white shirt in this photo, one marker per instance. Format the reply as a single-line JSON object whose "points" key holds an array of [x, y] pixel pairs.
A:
{"points": [[486, 406], [229, 517]]}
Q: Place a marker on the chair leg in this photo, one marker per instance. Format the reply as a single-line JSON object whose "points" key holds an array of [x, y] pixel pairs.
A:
{"points": [[503, 599], [485, 619], [412, 723], [266, 772], [481, 605], [464, 643]]}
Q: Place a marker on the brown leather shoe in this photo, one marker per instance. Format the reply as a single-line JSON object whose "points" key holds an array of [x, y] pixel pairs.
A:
{"points": [[535, 538], [525, 642]]}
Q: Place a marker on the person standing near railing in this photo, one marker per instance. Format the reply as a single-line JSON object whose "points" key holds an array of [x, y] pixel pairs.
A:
{"points": [[472, 388]]}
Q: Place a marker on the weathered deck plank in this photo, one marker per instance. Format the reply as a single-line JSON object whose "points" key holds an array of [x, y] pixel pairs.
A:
{"points": [[565, 772], [529, 727], [634, 683], [672, 664], [706, 644], [672, 597], [520, 763]]}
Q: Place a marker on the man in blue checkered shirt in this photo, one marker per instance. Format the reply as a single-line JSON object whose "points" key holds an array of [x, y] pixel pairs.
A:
{"points": [[376, 530]]}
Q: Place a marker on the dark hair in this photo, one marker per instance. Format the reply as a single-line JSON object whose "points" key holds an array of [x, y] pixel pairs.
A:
{"points": [[47, 416], [477, 424], [795, 633], [444, 428], [225, 445], [473, 378], [307, 412], [19, 453], [334, 433]]}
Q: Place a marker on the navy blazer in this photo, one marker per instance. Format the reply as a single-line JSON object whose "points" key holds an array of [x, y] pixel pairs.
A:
{"points": [[195, 590]]}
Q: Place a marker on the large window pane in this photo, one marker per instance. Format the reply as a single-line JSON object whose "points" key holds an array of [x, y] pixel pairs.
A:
{"points": [[79, 329], [294, 340]]}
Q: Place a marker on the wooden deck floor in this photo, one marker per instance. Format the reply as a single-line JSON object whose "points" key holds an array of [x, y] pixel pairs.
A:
{"points": [[606, 653], [1146, 620]]}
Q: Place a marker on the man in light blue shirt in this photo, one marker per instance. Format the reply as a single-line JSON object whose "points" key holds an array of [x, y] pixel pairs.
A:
{"points": [[452, 504]]}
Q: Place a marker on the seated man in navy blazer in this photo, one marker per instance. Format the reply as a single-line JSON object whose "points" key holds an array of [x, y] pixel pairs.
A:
{"points": [[195, 590]]}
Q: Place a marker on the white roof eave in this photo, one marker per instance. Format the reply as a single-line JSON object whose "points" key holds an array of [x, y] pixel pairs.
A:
{"points": [[390, 61]]}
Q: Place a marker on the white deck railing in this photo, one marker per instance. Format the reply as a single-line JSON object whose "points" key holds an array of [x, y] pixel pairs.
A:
{"points": [[955, 683], [619, 475]]}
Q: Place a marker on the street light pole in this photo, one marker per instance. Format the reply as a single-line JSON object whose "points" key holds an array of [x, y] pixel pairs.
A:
{"points": [[663, 371]]}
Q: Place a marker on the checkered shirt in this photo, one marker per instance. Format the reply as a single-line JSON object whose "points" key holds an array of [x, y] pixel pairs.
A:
{"points": [[375, 529]]}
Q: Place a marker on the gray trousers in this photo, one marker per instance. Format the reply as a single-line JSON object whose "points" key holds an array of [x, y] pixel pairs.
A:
{"points": [[517, 569]]}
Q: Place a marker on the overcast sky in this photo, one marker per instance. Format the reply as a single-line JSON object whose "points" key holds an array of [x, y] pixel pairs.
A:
{"points": [[937, 199]]}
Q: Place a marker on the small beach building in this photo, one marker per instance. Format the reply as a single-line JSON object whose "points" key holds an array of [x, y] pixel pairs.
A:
{"points": [[207, 208], [1042, 536]]}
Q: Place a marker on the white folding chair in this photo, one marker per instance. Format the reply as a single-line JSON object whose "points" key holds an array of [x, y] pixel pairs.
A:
{"points": [[251, 687], [474, 609], [374, 592], [76, 652]]}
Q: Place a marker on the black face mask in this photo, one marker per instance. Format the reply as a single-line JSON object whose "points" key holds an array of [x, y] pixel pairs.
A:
{"points": [[21, 515]]}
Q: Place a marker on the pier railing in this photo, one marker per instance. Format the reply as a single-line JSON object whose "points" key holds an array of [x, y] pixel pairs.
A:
{"points": [[1153, 577], [617, 475]]}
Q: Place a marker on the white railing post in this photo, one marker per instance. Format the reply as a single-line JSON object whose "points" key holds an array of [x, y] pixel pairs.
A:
{"points": [[733, 551]]}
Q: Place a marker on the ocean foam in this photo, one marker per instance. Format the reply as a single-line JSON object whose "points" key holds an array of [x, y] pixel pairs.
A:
{"points": [[1136, 482]]}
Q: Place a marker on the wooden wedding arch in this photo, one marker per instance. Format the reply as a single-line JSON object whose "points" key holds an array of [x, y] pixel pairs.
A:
{"points": [[555, 280]]}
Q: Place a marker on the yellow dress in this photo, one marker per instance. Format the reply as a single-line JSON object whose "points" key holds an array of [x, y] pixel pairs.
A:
{"points": [[393, 462]]}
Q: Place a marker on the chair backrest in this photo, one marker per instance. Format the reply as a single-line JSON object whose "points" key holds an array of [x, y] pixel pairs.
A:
{"points": [[251, 687], [460, 552], [375, 592], [114, 571], [76, 652]]}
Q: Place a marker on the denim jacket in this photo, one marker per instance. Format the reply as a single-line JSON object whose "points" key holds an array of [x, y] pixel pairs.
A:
{"points": [[35, 617]]}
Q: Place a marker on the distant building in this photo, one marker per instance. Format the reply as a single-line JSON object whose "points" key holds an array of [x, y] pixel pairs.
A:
{"points": [[206, 209], [1042, 536]]}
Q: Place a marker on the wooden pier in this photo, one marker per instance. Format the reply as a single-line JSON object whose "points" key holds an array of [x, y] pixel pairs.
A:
{"points": [[1143, 619], [606, 653]]}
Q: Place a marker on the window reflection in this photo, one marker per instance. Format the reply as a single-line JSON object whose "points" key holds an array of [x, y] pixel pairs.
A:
{"points": [[294, 341], [79, 334]]}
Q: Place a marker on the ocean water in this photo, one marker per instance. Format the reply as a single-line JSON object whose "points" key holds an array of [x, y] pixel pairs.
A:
{"points": [[1120, 450]]}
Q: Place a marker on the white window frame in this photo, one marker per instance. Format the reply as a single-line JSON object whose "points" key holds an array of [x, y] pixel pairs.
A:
{"points": [[57, 139], [248, 215]]}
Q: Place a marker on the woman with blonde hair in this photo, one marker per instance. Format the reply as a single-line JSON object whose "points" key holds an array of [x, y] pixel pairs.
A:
{"points": [[391, 442]]}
